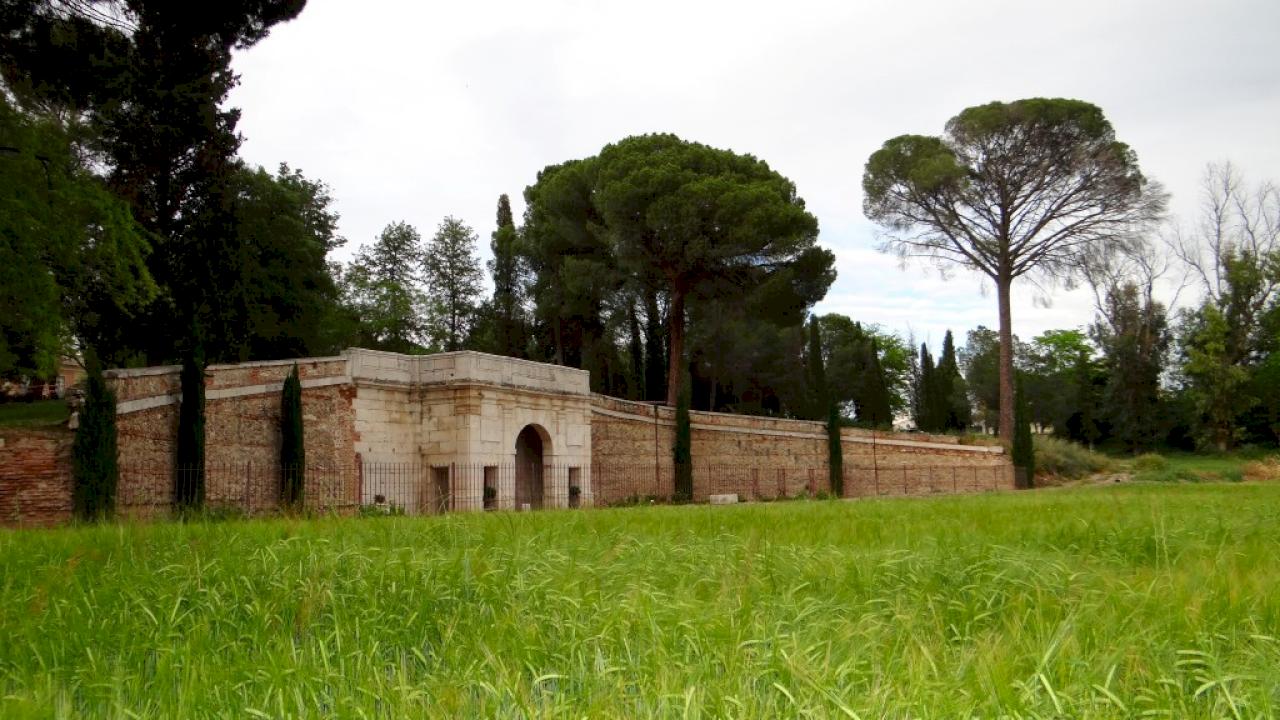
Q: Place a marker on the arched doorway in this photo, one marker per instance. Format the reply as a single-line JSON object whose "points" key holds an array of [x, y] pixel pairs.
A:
{"points": [[530, 449]]}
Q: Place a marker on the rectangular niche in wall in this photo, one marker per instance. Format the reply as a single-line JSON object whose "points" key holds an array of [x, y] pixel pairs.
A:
{"points": [[575, 487], [490, 487], [440, 490]]}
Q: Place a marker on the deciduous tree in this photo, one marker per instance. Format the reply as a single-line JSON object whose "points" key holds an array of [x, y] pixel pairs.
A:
{"points": [[452, 273]]}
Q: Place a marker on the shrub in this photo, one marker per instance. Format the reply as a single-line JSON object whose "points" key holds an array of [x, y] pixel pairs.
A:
{"points": [[1266, 469], [1067, 460], [1150, 462]]}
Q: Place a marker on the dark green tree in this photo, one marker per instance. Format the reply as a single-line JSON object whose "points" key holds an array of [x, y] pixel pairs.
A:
{"points": [[452, 273], [699, 220], [510, 335], [981, 360], [930, 407], [875, 409], [816, 376], [952, 393], [1011, 189], [1134, 336], [835, 450], [293, 452], [683, 449], [382, 287], [93, 451], [1023, 454], [71, 251], [150, 81], [188, 490]]}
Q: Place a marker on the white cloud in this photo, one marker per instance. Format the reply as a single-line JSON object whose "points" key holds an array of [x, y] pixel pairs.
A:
{"points": [[415, 111]]}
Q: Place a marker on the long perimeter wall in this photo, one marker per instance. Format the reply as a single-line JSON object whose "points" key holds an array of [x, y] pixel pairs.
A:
{"points": [[765, 458]]}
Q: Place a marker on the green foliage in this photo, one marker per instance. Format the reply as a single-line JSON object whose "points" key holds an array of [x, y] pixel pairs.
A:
{"points": [[815, 375], [390, 617], [1067, 460], [1023, 452], [1134, 336], [1149, 462], [683, 448], [382, 287], [1011, 189], [283, 301], [1216, 384], [93, 452], [147, 89], [866, 368], [189, 470], [71, 251], [452, 273], [293, 451], [510, 334], [691, 222], [981, 360], [835, 451]]}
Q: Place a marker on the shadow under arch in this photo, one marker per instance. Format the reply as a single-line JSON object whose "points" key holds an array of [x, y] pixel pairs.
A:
{"points": [[533, 447]]}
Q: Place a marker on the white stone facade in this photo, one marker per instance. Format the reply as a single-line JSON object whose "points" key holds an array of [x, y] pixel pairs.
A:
{"points": [[458, 415]]}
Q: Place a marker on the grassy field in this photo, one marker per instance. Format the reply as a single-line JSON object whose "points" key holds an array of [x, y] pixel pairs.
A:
{"points": [[34, 414], [1114, 601]]}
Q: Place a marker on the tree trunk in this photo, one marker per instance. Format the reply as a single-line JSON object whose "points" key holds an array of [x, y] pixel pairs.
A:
{"points": [[675, 324], [1003, 285]]}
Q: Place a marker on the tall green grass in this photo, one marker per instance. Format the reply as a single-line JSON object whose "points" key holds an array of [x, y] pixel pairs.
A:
{"points": [[1115, 601]]}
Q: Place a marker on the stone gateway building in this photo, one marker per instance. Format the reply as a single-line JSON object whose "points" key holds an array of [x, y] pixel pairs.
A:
{"points": [[465, 431]]}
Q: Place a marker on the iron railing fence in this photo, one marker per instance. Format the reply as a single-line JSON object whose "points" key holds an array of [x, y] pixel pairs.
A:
{"points": [[150, 489]]}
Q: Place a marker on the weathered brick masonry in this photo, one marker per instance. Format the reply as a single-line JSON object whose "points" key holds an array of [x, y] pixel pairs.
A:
{"points": [[433, 411], [759, 457], [35, 476], [242, 433]]}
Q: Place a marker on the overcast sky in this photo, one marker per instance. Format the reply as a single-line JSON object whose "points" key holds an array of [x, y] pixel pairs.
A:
{"points": [[414, 111]]}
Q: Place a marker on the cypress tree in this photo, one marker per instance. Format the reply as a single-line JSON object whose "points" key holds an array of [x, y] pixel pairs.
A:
{"points": [[876, 409], [508, 274], [816, 374], [835, 450], [1023, 454], [683, 446], [93, 451], [293, 457], [926, 392], [189, 476], [953, 398]]}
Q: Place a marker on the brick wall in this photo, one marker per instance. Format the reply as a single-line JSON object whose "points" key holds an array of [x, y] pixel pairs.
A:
{"points": [[242, 434], [760, 457], [35, 476]]}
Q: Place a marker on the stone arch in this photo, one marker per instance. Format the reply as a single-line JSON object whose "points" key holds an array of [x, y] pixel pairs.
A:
{"points": [[533, 450]]}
